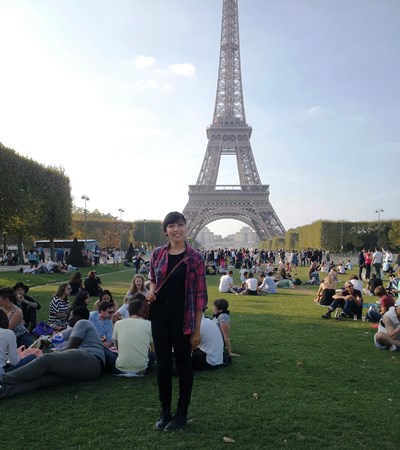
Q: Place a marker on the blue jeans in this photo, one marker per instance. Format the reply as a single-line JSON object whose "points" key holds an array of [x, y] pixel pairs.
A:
{"points": [[350, 308]]}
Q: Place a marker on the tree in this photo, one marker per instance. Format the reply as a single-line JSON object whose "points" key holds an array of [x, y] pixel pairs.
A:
{"points": [[56, 206]]}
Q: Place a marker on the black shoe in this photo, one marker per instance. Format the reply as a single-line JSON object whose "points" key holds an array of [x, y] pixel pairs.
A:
{"points": [[165, 419], [178, 422], [327, 315]]}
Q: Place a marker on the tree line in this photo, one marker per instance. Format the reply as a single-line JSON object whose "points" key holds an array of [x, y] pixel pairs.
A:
{"points": [[35, 200], [340, 236]]}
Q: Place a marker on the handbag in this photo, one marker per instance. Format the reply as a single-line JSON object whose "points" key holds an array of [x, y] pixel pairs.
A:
{"points": [[145, 309], [43, 329]]}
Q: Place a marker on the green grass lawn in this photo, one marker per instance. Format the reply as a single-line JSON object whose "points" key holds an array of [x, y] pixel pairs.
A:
{"points": [[300, 383]]}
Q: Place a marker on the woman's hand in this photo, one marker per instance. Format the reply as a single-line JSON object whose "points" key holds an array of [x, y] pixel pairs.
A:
{"points": [[151, 296], [195, 339]]}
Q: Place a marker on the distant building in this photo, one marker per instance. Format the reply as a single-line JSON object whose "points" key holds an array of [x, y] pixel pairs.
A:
{"points": [[246, 237]]}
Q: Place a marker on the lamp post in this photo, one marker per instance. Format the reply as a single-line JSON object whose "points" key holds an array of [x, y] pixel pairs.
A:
{"points": [[341, 237], [86, 199], [379, 211], [144, 236], [120, 230]]}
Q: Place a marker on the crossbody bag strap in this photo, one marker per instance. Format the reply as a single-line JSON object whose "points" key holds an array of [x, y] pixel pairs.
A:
{"points": [[170, 273]]}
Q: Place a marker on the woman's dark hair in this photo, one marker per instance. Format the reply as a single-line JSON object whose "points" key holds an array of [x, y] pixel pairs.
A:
{"points": [[173, 217], [134, 306], [106, 292], [222, 305], [76, 277], [79, 299], [4, 322], [7, 293], [61, 289]]}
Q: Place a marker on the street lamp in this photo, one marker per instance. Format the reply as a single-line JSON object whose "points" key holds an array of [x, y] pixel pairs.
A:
{"points": [[379, 211], [86, 199], [144, 235], [120, 229], [341, 236]]}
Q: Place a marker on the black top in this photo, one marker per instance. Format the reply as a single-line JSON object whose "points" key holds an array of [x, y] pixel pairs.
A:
{"points": [[171, 298]]}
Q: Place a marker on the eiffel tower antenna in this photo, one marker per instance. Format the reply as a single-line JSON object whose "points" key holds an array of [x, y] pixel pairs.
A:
{"points": [[229, 134]]}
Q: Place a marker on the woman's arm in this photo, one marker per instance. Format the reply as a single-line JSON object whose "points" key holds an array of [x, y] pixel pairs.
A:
{"points": [[226, 328], [15, 319], [195, 336]]}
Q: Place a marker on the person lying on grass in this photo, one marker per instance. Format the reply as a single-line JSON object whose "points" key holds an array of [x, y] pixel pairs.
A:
{"points": [[81, 360]]}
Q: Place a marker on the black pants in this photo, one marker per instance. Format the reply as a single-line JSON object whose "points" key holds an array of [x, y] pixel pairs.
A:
{"points": [[168, 335]]}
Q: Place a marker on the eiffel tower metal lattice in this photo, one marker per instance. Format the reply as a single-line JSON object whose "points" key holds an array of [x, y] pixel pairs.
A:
{"points": [[229, 134]]}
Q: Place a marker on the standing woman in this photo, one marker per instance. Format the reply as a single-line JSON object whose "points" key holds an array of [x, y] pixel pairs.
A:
{"points": [[178, 293]]}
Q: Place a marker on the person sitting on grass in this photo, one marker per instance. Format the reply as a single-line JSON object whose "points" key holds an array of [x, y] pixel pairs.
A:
{"points": [[92, 284], [226, 283], [28, 305], [326, 291], [81, 360], [101, 319], [210, 352], [8, 347], [268, 285], [357, 283], [350, 300], [105, 296], [59, 308], [82, 298], [251, 285], [386, 301], [373, 283], [223, 320], [15, 317], [134, 342], [388, 335]]}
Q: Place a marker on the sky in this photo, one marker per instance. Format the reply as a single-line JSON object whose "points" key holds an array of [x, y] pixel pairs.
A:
{"points": [[120, 93]]}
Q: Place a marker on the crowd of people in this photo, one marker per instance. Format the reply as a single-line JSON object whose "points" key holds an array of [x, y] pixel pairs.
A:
{"points": [[177, 339], [99, 335]]}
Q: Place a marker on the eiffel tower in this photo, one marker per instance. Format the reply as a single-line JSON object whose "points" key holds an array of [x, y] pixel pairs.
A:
{"points": [[229, 134]]}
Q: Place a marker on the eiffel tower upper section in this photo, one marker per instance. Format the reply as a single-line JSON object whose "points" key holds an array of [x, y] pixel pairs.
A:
{"points": [[229, 134]]}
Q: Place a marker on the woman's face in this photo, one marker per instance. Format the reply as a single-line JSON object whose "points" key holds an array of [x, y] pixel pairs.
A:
{"points": [[105, 298], [87, 300], [215, 309], [139, 282], [176, 232], [67, 291]]}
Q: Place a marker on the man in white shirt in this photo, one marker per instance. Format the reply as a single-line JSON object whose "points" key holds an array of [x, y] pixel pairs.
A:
{"points": [[377, 258], [251, 285], [134, 341], [210, 353], [268, 285], [226, 283]]}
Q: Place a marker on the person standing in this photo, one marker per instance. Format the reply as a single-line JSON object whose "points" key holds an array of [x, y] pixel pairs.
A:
{"points": [[178, 294], [377, 258]]}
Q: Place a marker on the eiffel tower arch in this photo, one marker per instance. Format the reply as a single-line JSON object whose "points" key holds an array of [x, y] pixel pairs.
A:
{"points": [[229, 134]]}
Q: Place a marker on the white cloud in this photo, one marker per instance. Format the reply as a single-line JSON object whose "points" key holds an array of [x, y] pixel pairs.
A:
{"points": [[141, 61], [313, 110], [183, 70]]}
